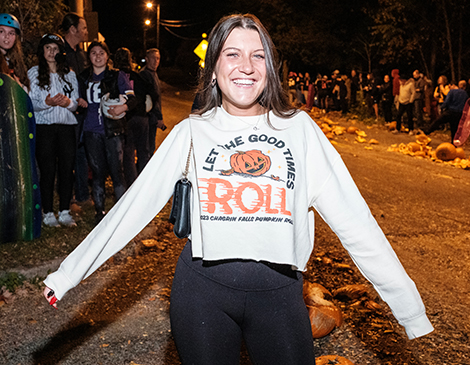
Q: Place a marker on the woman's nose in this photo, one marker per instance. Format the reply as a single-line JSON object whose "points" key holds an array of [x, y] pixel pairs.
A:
{"points": [[246, 65]]}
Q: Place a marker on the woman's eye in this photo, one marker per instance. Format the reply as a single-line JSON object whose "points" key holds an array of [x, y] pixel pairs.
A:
{"points": [[259, 56], [232, 54]]}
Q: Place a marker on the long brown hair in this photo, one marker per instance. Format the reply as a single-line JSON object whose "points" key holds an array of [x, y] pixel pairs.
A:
{"points": [[44, 78], [16, 62], [273, 96], [3, 65]]}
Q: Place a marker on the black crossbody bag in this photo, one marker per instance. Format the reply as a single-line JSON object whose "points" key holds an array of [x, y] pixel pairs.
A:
{"points": [[180, 214]]}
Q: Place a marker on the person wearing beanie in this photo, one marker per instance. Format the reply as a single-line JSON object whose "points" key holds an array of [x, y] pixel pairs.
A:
{"points": [[54, 93]]}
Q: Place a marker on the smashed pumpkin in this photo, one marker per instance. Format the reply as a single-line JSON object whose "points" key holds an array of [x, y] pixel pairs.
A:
{"points": [[413, 147], [324, 315], [332, 360], [420, 154]]}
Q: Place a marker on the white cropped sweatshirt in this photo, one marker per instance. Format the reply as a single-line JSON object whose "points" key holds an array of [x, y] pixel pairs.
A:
{"points": [[252, 189]]}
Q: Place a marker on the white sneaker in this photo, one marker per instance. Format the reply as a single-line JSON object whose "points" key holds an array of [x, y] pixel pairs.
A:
{"points": [[50, 220], [66, 219]]}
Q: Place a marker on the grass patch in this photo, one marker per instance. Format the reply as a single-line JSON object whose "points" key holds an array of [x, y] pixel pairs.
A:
{"points": [[53, 243], [11, 281]]}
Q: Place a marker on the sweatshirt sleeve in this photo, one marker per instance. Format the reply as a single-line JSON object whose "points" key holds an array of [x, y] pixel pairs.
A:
{"points": [[37, 95], [139, 205], [342, 207]]}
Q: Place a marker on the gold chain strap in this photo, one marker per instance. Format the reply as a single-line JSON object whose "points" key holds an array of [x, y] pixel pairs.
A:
{"points": [[186, 170]]}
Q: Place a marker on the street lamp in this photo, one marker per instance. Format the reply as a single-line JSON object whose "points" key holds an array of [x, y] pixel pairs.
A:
{"points": [[147, 23], [149, 6]]}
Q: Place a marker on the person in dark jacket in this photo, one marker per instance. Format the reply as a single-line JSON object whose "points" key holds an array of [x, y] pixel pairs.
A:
{"points": [[420, 85], [74, 29], [104, 123], [149, 74], [342, 93], [323, 89], [137, 132], [452, 109], [386, 90], [354, 88]]}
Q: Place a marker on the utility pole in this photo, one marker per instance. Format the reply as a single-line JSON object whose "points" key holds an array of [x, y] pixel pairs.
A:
{"points": [[158, 26], [77, 6]]}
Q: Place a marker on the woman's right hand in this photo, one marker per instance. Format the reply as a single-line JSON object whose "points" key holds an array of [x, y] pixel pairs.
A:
{"points": [[82, 103], [50, 296]]}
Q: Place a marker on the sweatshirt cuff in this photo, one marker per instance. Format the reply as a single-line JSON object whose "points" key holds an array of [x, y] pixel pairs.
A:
{"points": [[72, 105], [417, 327], [59, 282]]}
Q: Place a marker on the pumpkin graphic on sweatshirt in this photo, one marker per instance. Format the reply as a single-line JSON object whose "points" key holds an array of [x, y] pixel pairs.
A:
{"points": [[254, 163]]}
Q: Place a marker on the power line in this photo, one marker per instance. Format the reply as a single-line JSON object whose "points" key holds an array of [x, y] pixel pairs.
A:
{"points": [[179, 36]]}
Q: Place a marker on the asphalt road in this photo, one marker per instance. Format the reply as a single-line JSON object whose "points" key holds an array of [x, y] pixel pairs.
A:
{"points": [[120, 314]]}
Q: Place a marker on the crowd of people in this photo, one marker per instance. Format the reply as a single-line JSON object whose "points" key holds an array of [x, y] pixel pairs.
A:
{"points": [[94, 116], [392, 97], [90, 116]]}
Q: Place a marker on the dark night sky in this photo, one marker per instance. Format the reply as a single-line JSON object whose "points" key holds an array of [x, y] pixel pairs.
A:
{"points": [[122, 23]]}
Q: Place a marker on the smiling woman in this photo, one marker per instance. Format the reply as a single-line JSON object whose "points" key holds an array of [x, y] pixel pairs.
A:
{"points": [[258, 167]]}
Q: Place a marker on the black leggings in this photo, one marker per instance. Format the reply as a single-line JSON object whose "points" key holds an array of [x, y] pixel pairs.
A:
{"points": [[55, 153], [214, 305]]}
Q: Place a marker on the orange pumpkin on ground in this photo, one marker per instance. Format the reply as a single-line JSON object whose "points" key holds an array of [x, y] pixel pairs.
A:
{"points": [[324, 315], [332, 360], [352, 130], [460, 153], [252, 162], [446, 151]]}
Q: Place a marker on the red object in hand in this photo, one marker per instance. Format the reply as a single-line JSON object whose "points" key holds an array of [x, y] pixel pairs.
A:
{"points": [[53, 299]]}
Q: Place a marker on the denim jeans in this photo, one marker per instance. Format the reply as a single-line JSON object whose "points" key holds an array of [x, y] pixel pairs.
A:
{"points": [[402, 109], [418, 110], [447, 116], [105, 156]]}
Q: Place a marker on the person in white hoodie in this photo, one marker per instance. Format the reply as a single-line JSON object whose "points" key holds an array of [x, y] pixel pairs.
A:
{"points": [[405, 103], [256, 167]]}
